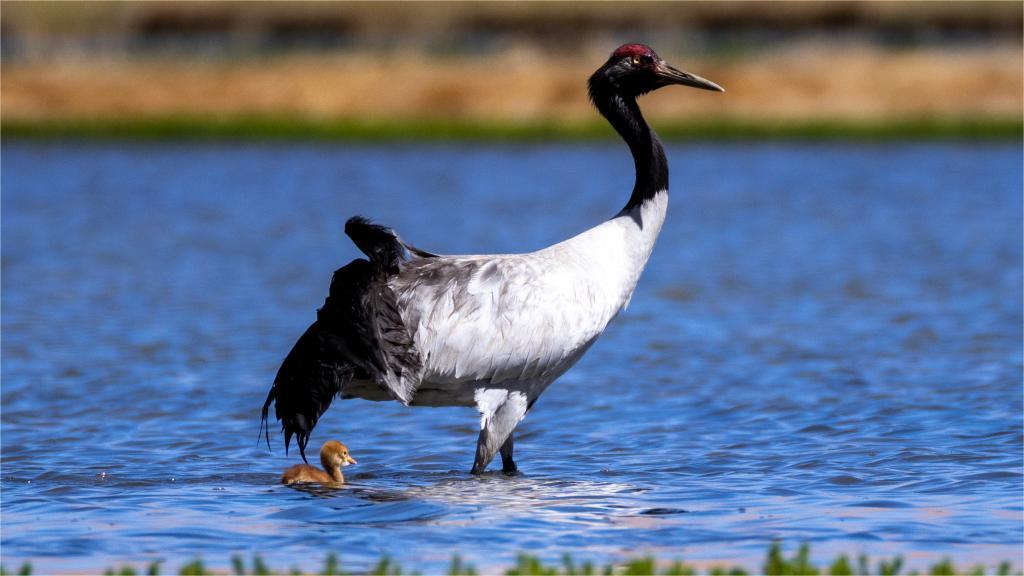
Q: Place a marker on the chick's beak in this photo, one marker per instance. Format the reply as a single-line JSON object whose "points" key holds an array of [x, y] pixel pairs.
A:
{"points": [[351, 460], [671, 75]]}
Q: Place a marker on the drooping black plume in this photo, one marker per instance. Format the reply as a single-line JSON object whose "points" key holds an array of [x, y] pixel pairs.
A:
{"points": [[304, 387], [358, 334]]}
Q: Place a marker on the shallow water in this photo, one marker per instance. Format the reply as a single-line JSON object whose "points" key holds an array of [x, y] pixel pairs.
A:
{"points": [[826, 347]]}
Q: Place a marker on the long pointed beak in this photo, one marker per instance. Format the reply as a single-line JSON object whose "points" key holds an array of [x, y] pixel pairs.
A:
{"points": [[671, 75], [352, 460]]}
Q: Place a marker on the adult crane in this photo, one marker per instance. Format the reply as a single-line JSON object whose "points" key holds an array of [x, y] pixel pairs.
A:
{"points": [[489, 331]]}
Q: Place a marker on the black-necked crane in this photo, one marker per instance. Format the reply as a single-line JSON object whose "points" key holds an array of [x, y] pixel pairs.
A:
{"points": [[489, 331]]}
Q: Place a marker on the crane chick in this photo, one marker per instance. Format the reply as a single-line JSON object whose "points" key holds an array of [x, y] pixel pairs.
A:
{"points": [[333, 456]]}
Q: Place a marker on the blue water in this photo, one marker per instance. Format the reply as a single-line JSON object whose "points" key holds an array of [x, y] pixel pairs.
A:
{"points": [[826, 347]]}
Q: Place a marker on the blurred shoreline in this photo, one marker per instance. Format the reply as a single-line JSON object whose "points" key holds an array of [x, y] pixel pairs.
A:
{"points": [[800, 92], [479, 70]]}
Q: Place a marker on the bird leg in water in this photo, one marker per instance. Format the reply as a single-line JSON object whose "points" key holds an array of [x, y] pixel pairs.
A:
{"points": [[508, 466], [496, 432]]}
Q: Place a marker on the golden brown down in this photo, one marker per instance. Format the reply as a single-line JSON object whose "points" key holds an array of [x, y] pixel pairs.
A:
{"points": [[333, 456]]}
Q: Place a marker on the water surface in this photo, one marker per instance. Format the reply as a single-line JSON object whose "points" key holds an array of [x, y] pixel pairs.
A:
{"points": [[826, 347]]}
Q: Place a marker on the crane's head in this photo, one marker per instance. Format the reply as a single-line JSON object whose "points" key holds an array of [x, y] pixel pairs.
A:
{"points": [[635, 69]]}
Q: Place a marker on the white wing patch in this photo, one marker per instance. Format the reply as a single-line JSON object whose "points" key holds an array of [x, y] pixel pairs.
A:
{"points": [[500, 318]]}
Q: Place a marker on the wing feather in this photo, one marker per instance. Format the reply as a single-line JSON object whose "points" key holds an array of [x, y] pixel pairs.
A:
{"points": [[358, 333], [499, 318]]}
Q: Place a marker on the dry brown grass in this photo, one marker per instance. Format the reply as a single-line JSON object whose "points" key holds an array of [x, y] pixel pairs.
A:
{"points": [[800, 83]]}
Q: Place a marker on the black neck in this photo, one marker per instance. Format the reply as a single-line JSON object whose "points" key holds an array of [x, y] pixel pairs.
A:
{"points": [[624, 115]]}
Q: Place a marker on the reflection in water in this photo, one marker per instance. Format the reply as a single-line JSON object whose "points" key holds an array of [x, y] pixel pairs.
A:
{"points": [[825, 347]]}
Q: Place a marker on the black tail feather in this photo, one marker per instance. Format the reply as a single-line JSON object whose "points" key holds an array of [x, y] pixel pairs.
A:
{"points": [[264, 425], [308, 380]]}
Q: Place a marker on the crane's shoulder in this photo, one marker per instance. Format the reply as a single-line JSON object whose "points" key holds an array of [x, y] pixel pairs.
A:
{"points": [[381, 244]]}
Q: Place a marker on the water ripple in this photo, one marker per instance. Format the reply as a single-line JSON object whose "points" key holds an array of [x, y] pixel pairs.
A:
{"points": [[826, 347]]}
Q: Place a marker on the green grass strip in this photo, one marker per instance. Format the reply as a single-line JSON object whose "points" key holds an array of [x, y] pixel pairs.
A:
{"points": [[776, 564], [270, 128]]}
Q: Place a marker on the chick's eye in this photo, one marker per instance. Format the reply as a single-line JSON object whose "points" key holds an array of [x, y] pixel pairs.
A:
{"points": [[635, 60]]}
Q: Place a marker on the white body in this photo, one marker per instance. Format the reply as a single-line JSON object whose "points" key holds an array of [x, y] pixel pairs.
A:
{"points": [[500, 334]]}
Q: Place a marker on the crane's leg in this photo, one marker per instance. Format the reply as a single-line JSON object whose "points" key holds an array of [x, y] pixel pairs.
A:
{"points": [[508, 465], [496, 433]]}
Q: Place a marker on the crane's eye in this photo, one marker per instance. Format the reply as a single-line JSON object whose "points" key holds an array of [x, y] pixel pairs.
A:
{"points": [[635, 60]]}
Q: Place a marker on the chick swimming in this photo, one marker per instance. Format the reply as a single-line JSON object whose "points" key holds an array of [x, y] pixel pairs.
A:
{"points": [[333, 456]]}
